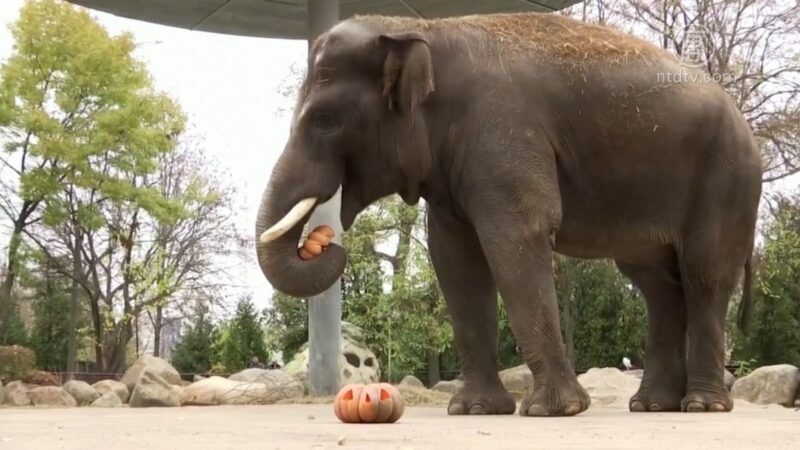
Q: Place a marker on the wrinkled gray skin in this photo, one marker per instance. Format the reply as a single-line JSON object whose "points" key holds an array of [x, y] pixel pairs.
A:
{"points": [[529, 134]]}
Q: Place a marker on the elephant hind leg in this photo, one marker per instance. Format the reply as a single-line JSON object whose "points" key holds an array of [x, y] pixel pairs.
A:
{"points": [[708, 285], [664, 380]]}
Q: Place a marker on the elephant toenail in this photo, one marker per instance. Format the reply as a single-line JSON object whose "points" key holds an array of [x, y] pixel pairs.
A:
{"points": [[536, 410], [718, 407], [478, 409], [456, 409], [695, 406], [637, 406], [656, 407], [572, 409]]}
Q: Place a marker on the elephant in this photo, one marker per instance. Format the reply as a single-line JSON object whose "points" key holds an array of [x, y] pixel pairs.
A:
{"points": [[527, 135]]}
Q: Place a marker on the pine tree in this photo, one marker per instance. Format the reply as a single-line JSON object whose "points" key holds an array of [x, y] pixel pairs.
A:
{"points": [[244, 339], [197, 350]]}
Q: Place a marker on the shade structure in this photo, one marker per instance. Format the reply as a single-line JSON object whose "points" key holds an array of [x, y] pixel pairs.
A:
{"points": [[288, 19]]}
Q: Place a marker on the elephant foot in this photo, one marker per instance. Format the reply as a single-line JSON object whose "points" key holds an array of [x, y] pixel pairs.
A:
{"points": [[566, 398], [705, 401], [656, 400], [482, 401]]}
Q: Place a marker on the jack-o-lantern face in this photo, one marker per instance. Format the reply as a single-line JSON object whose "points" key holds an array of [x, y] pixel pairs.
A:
{"points": [[373, 403]]}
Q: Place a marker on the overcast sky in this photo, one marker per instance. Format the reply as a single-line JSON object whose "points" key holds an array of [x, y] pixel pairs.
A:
{"points": [[229, 88]]}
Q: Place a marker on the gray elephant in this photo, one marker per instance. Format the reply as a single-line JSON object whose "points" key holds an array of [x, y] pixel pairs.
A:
{"points": [[529, 134]]}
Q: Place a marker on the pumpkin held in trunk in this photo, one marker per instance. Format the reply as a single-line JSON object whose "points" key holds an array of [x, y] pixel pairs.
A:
{"points": [[371, 403]]}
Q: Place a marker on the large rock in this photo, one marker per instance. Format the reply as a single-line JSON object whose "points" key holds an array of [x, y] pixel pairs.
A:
{"points": [[156, 365], [729, 379], [17, 394], [105, 386], [449, 387], [51, 396], [41, 378], [152, 390], [222, 391], [609, 386], [108, 400], [769, 384], [358, 362], [517, 380], [411, 380], [81, 392]]}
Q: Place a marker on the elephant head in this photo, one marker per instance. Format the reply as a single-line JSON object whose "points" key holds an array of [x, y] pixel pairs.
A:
{"points": [[358, 123]]}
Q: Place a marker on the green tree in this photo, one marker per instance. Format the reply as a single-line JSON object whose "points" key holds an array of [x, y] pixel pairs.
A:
{"points": [[287, 323], [81, 123], [395, 297], [775, 330], [607, 313], [50, 307], [197, 350], [244, 338]]}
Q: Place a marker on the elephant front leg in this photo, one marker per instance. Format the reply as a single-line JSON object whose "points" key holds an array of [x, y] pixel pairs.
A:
{"points": [[521, 259], [471, 298]]}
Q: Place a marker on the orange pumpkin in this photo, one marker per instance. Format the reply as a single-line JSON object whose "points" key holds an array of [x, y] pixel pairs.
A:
{"points": [[373, 403], [316, 243]]}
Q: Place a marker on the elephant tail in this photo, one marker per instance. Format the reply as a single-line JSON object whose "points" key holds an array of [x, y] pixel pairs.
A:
{"points": [[746, 305]]}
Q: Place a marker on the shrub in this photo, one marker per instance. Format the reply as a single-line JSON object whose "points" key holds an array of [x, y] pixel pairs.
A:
{"points": [[15, 362]]}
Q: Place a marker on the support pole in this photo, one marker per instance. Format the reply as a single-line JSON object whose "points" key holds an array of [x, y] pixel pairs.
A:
{"points": [[325, 310]]}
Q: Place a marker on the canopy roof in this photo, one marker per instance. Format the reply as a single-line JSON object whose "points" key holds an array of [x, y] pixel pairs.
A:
{"points": [[289, 18]]}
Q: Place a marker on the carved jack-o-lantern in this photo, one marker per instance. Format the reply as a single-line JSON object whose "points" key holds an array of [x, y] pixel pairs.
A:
{"points": [[371, 403]]}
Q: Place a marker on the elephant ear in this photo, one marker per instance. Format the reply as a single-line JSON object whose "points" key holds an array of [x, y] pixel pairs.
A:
{"points": [[407, 82]]}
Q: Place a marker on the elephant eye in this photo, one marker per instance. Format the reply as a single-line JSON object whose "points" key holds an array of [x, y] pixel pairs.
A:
{"points": [[326, 122]]}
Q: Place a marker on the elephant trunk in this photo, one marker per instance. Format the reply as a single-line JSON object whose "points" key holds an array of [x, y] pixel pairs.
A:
{"points": [[277, 238]]}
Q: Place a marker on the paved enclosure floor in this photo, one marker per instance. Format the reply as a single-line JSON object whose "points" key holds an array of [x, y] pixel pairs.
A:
{"points": [[315, 427]]}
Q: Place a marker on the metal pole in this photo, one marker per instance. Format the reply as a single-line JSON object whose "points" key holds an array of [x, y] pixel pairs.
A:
{"points": [[325, 310]]}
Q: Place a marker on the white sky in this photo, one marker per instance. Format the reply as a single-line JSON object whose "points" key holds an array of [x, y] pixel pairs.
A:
{"points": [[228, 87]]}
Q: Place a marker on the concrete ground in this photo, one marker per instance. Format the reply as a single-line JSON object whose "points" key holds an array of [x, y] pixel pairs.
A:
{"points": [[315, 427]]}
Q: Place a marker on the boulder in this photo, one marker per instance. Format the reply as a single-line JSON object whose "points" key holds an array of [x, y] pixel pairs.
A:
{"points": [[51, 396], [152, 390], [108, 400], [105, 386], [221, 391], [638, 373], [769, 384], [411, 380], [609, 386], [41, 378], [81, 392], [16, 394], [156, 365], [729, 379], [517, 380], [449, 387], [358, 362]]}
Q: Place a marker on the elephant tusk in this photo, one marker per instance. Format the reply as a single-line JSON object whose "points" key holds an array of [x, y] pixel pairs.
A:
{"points": [[289, 220]]}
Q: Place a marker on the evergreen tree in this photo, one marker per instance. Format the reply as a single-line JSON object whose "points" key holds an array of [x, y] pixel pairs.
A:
{"points": [[287, 321], [775, 330], [197, 351], [244, 339]]}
